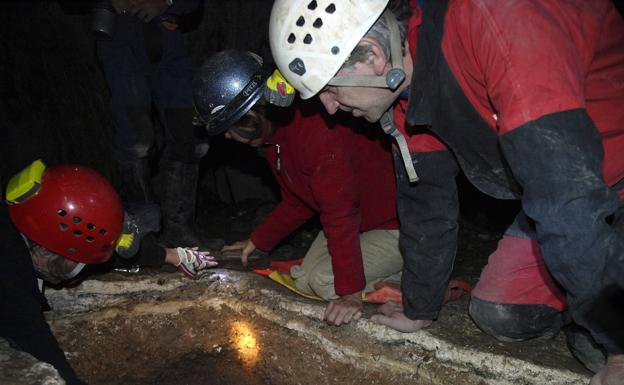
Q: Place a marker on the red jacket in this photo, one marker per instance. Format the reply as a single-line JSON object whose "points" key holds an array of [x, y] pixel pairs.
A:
{"points": [[516, 89], [511, 83], [344, 176]]}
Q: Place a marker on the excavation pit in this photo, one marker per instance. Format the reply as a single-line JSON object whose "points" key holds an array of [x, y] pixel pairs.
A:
{"points": [[233, 327]]}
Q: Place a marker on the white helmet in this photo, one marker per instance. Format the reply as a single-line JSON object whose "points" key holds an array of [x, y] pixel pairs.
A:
{"points": [[311, 39]]}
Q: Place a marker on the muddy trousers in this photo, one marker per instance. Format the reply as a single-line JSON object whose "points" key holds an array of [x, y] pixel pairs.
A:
{"points": [[517, 299], [150, 76], [380, 254], [148, 70]]}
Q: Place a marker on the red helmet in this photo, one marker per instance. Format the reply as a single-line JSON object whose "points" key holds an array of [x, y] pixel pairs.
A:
{"points": [[74, 212]]}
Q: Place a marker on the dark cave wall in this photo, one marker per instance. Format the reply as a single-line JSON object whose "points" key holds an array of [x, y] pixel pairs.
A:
{"points": [[54, 101], [53, 98], [241, 24]]}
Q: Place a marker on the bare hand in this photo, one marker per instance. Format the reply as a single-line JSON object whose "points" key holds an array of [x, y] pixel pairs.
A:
{"points": [[146, 10], [246, 247], [612, 373], [344, 309], [392, 316]]}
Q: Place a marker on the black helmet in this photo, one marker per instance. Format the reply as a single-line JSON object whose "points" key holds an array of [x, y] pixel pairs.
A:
{"points": [[226, 86]]}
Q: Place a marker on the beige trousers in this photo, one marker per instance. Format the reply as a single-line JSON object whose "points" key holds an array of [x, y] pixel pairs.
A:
{"points": [[380, 254]]}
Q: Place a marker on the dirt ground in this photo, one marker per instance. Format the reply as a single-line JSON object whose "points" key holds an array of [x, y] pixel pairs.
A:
{"points": [[199, 346], [220, 345], [176, 338], [482, 223]]}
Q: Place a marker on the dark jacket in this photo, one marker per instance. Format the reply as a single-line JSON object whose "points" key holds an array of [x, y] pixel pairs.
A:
{"points": [[22, 322]]}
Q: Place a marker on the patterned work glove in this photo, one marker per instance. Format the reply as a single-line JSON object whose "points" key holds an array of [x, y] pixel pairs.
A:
{"points": [[192, 261]]}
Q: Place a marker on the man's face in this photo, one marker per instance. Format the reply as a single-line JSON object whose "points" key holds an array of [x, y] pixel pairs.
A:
{"points": [[367, 102], [52, 267]]}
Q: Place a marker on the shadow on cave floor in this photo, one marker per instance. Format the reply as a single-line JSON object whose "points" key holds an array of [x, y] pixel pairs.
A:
{"points": [[224, 367]]}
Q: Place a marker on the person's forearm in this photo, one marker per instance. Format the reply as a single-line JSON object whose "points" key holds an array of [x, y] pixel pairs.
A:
{"points": [[150, 254], [284, 219], [558, 161], [343, 243]]}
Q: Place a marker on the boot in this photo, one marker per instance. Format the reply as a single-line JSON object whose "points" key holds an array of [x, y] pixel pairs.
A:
{"points": [[139, 221], [178, 205], [136, 182], [584, 348]]}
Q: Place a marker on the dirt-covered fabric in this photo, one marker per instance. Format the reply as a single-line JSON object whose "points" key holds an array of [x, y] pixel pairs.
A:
{"points": [[22, 322], [546, 79], [577, 217], [530, 59]]}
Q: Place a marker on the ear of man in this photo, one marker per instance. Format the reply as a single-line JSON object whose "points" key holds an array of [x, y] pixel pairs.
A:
{"points": [[377, 56]]}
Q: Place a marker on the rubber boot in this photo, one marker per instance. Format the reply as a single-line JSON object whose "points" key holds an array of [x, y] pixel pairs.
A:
{"points": [[136, 182], [584, 348], [178, 205]]}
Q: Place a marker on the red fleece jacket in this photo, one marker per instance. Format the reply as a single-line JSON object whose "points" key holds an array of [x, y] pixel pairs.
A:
{"points": [[344, 176], [573, 59]]}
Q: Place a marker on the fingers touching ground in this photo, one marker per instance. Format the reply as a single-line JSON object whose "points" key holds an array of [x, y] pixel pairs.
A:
{"points": [[391, 315], [344, 310], [245, 247]]}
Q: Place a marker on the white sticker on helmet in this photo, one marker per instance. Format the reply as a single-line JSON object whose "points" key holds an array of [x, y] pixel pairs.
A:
{"points": [[217, 109]]}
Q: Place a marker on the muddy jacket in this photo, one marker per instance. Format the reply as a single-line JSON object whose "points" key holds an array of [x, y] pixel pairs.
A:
{"points": [[528, 97], [344, 176], [22, 322]]}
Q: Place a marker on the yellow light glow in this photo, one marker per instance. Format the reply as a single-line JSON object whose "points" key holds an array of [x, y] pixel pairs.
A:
{"points": [[245, 342]]}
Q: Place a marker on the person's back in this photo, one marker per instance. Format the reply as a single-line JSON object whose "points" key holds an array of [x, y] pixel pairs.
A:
{"points": [[325, 167], [322, 168], [347, 151], [566, 55]]}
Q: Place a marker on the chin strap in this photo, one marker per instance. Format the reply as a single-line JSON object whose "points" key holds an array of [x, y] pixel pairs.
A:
{"points": [[387, 124]]}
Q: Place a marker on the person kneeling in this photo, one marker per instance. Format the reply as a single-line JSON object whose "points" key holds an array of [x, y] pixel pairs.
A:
{"points": [[323, 167]]}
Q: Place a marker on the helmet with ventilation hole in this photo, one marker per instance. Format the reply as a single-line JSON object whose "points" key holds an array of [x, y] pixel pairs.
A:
{"points": [[70, 210], [311, 39]]}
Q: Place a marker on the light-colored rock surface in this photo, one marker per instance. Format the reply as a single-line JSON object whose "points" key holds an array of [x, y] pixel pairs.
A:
{"points": [[19, 368], [364, 345]]}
